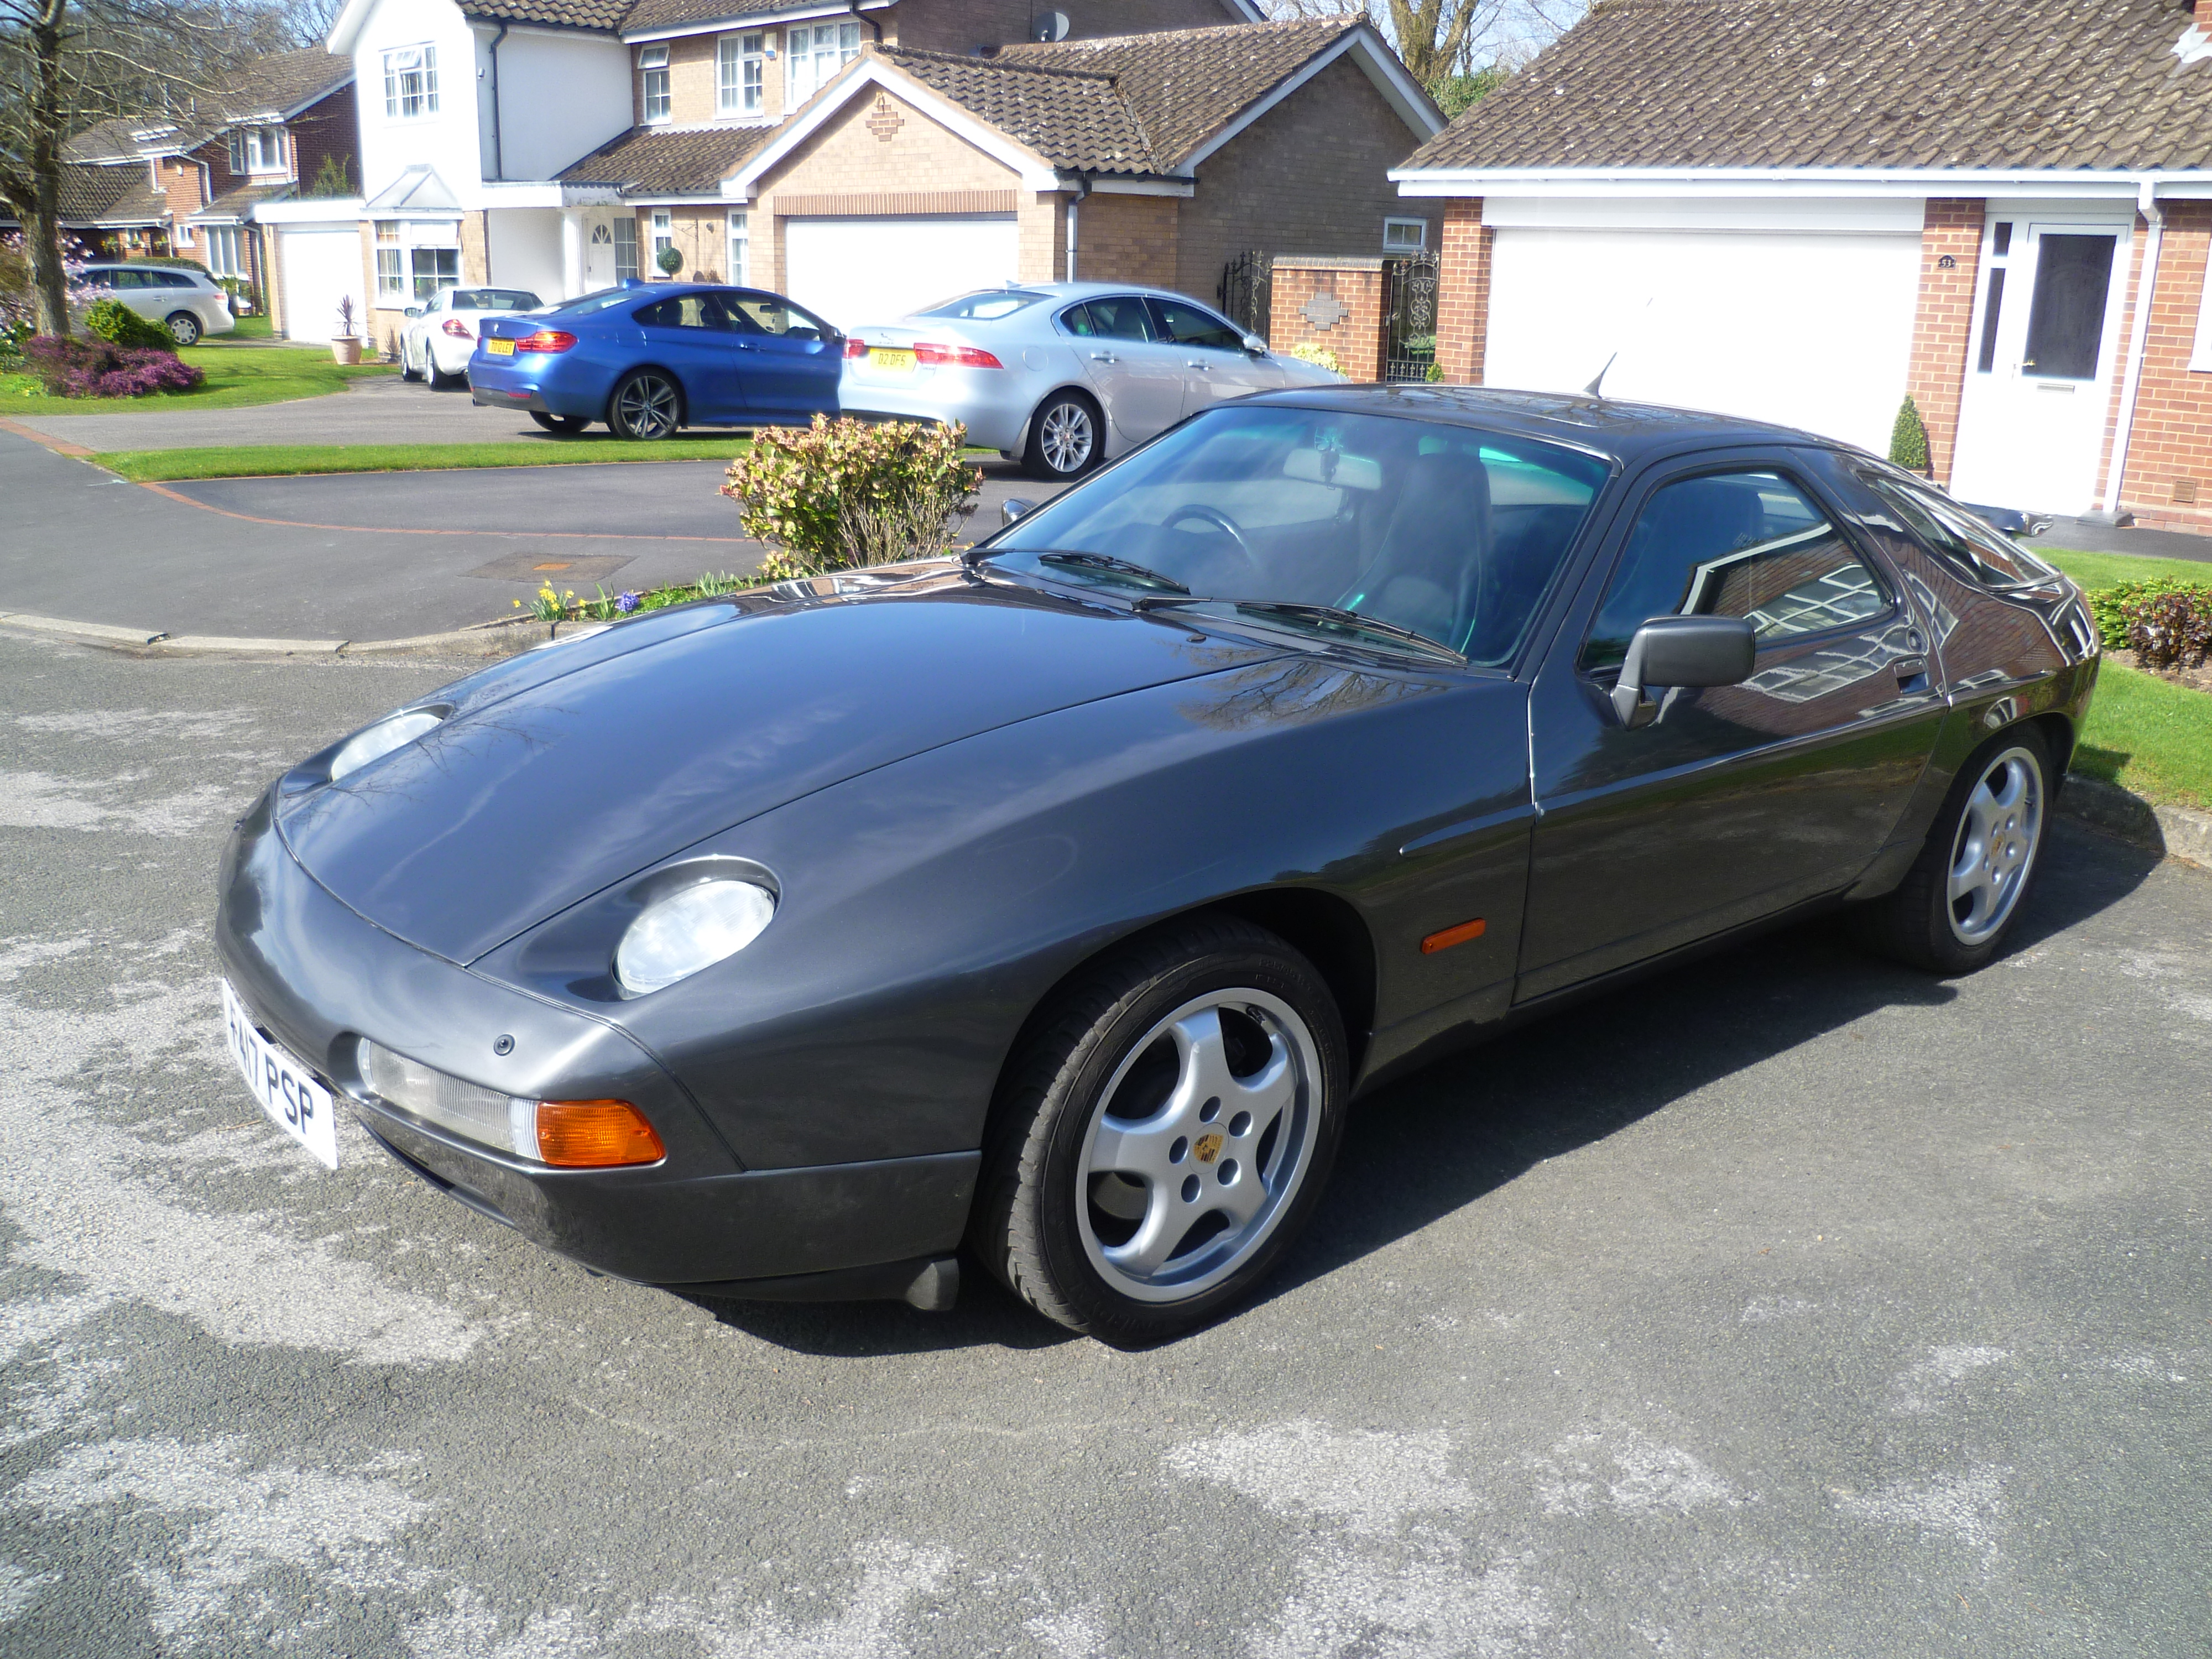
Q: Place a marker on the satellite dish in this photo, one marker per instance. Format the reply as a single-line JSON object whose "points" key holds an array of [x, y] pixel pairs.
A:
{"points": [[1049, 26]]}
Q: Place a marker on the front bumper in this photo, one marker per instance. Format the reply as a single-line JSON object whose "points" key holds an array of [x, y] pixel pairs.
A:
{"points": [[318, 976]]}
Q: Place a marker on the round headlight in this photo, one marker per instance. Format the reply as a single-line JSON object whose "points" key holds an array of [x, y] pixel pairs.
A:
{"points": [[380, 739], [675, 937]]}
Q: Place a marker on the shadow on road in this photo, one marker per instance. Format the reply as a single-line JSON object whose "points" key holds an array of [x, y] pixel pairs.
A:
{"points": [[1439, 1140]]}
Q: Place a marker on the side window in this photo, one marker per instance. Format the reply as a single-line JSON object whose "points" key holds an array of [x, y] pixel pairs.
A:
{"points": [[1076, 320], [1185, 325], [766, 314], [1956, 536], [1119, 317], [1733, 545], [685, 311]]}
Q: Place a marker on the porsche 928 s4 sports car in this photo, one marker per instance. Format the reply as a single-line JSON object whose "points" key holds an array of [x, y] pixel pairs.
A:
{"points": [[1053, 900]]}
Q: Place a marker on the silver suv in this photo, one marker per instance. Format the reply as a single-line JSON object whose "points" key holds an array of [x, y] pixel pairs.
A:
{"points": [[188, 303]]}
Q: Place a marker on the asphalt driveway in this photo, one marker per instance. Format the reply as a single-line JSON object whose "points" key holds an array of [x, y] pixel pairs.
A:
{"points": [[1794, 1304]]}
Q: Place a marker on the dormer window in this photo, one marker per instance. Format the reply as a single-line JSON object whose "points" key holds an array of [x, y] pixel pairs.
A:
{"points": [[740, 74], [256, 150], [652, 82], [410, 82]]}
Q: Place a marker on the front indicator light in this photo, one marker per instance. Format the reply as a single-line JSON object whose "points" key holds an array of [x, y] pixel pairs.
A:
{"points": [[595, 1135], [674, 937]]}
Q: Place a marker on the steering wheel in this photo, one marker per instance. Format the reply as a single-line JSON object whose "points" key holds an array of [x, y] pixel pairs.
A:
{"points": [[1220, 521]]}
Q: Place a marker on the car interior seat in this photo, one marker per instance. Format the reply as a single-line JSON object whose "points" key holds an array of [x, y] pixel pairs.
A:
{"points": [[1429, 572]]}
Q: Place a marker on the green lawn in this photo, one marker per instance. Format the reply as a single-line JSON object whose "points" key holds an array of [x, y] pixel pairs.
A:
{"points": [[2148, 735], [236, 376], [2096, 570], [285, 460]]}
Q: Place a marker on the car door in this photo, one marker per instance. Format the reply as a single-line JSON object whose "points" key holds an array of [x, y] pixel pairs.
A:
{"points": [[693, 336], [1740, 800], [1215, 365], [1138, 377], [143, 296], [789, 361]]}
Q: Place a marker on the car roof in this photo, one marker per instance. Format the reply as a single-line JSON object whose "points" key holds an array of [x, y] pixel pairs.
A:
{"points": [[1628, 431]]}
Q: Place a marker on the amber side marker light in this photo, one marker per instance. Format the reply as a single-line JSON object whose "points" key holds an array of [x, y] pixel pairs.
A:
{"points": [[1451, 936], [595, 1135]]}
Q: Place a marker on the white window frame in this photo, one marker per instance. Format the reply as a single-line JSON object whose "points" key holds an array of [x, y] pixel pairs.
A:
{"points": [[2200, 359], [741, 73], [418, 64], [664, 235], [653, 86], [625, 237], [256, 150], [183, 235], [391, 263], [1419, 227], [226, 251], [740, 240], [815, 52], [436, 279]]}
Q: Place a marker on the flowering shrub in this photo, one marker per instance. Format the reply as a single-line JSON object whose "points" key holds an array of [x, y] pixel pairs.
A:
{"points": [[1319, 355], [116, 323], [2173, 629], [101, 368], [845, 493]]}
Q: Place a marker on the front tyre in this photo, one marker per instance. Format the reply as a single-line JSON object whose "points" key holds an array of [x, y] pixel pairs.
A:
{"points": [[646, 404], [407, 369], [1165, 1132], [184, 328], [1951, 913], [1067, 438]]}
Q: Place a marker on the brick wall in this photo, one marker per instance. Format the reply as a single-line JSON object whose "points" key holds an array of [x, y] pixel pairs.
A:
{"points": [[1127, 239], [1307, 177], [1463, 291], [1943, 322], [2170, 453], [1042, 251], [327, 128], [476, 262], [960, 26], [1335, 303]]}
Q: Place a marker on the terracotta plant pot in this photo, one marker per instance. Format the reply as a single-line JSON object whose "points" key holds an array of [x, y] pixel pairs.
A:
{"points": [[346, 351]]}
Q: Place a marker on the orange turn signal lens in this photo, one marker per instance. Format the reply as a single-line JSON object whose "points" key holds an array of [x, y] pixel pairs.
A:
{"points": [[595, 1135], [1451, 936]]}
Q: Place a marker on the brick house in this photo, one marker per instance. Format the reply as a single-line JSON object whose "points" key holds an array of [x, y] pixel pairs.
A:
{"points": [[866, 158], [1804, 213]]}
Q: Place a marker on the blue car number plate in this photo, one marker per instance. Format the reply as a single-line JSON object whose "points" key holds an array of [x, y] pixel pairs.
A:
{"points": [[499, 348], [295, 1103]]}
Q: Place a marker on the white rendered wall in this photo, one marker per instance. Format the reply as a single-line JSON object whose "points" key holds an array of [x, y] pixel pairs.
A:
{"points": [[1808, 329], [445, 141], [561, 96], [524, 248]]}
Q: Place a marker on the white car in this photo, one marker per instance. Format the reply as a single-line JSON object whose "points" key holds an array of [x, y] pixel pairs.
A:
{"points": [[188, 303], [440, 334]]}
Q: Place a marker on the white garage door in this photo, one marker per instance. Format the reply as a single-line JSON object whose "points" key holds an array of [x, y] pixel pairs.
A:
{"points": [[321, 263], [855, 271], [1811, 331]]}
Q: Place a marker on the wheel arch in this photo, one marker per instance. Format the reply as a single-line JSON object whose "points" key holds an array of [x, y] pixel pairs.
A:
{"points": [[2059, 737], [682, 391]]}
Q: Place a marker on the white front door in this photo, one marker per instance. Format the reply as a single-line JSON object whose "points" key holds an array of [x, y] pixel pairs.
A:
{"points": [[598, 251], [2039, 366]]}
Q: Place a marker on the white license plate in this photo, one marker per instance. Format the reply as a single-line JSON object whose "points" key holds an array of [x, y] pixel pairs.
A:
{"points": [[295, 1103], [499, 348], [890, 360]]}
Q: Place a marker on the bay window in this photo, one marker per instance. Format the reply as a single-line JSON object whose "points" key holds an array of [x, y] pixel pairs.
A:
{"points": [[740, 74], [226, 251], [818, 51], [434, 267], [391, 278]]}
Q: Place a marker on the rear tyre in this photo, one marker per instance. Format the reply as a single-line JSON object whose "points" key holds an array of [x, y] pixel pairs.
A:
{"points": [[1951, 913], [568, 424], [646, 404], [407, 369], [440, 381], [1067, 438], [1163, 1133], [184, 328]]}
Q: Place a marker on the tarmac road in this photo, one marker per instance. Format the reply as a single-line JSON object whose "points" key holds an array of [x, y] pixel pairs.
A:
{"points": [[1793, 1305]]}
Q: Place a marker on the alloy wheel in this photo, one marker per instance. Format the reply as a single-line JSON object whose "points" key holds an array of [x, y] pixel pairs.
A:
{"points": [[1206, 1132], [1068, 437], [646, 406], [1999, 834]]}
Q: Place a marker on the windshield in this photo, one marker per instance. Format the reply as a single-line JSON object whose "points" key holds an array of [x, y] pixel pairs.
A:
{"points": [[1453, 533], [492, 299], [984, 307], [605, 297]]}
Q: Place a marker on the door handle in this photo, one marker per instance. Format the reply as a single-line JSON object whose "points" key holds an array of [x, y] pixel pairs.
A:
{"points": [[1193, 363], [1104, 357], [1912, 673]]}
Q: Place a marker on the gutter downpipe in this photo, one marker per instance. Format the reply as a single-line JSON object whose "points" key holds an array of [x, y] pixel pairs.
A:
{"points": [[853, 6], [498, 155], [2110, 512], [1082, 190]]}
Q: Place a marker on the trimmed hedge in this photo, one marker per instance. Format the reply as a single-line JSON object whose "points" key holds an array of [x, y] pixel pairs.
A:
{"points": [[116, 324]]}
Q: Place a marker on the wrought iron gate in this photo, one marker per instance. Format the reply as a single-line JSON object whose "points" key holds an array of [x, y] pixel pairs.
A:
{"points": [[1409, 307], [1246, 289]]}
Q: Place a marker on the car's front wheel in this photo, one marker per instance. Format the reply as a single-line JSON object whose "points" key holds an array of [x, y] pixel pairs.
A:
{"points": [[1164, 1131], [407, 369], [646, 404], [1951, 913], [1066, 438], [568, 424], [184, 328]]}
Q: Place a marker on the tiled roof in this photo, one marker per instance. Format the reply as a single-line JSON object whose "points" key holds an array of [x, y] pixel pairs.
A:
{"points": [[673, 14], [283, 81], [662, 160], [1184, 85], [110, 195], [1074, 120], [236, 203], [603, 15], [123, 136], [1901, 84]]}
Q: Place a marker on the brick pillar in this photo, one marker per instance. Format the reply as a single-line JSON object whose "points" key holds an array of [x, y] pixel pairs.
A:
{"points": [[1943, 322], [2138, 242], [2169, 481], [1463, 291], [1336, 303]]}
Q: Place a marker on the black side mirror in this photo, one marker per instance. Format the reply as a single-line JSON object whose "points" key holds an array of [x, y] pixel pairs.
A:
{"points": [[1013, 509], [1676, 651]]}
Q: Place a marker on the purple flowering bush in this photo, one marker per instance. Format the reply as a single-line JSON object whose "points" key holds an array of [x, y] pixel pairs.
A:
{"points": [[80, 368]]}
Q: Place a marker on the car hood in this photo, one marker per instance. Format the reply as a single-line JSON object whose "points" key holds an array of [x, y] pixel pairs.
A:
{"points": [[552, 780]]}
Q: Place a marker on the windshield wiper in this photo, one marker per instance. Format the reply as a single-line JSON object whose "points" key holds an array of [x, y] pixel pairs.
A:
{"points": [[1108, 565], [1329, 614]]}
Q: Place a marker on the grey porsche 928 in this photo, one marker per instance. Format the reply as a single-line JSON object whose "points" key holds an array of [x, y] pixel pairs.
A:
{"points": [[1049, 905]]}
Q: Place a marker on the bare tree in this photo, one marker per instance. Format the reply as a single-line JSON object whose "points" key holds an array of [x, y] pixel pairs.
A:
{"points": [[1442, 41], [65, 65]]}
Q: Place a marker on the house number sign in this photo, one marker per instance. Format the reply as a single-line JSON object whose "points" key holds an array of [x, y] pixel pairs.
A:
{"points": [[1325, 311]]}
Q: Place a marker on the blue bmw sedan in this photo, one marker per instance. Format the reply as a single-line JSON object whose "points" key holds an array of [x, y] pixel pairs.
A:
{"points": [[649, 358]]}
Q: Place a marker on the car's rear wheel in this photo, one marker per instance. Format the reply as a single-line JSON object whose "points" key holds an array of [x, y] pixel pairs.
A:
{"points": [[440, 381], [1165, 1132], [646, 404], [560, 423], [1951, 913], [1066, 438], [184, 328], [407, 369]]}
